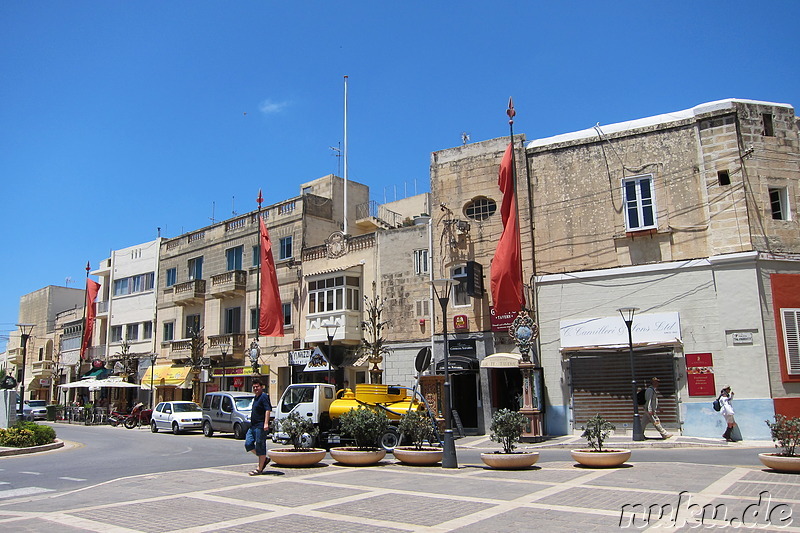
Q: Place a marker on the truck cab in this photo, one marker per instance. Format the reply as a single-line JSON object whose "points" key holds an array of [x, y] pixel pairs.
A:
{"points": [[311, 400]]}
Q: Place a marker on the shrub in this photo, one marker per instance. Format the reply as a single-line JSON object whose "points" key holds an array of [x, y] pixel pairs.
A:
{"points": [[596, 431], [417, 427], [507, 427], [17, 437], [295, 426], [786, 434], [364, 425]]}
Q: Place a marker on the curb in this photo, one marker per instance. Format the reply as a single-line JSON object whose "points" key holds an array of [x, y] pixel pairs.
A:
{"points": [[5, 452]]}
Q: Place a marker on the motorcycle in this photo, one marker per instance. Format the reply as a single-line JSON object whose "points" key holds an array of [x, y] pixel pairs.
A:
{"points": [[116, 418], [139, 417]]}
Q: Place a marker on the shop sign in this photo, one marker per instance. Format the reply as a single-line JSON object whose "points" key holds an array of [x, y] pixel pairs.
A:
{"points": [[299, 357], [648, 328], [238, 382], [460, 322], [45, 382], [240, 370], [501, 323], [462, 347], [700, 374], [318, 361]]}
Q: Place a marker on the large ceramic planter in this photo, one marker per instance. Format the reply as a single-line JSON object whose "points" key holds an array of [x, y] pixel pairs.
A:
{"points": [[510, 461], [412, 456], [780, 463], [604, 459], [292, 457], [356, 457]]}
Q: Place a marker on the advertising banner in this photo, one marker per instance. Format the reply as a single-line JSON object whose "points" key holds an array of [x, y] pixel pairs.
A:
{"points": [[700, 374]]}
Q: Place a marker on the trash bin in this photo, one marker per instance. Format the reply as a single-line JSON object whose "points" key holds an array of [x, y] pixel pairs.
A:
{"points": [[51, 412]]}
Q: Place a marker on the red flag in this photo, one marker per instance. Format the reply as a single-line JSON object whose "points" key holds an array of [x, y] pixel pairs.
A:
{"points": [[270, 317], [507, 293], [92, 288]]}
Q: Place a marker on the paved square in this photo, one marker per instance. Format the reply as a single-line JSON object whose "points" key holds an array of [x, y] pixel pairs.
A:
{"points": [[290, 494], [407, 509]]}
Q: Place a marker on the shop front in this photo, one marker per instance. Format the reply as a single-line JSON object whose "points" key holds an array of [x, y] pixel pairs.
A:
{"points": [[235, 378]]}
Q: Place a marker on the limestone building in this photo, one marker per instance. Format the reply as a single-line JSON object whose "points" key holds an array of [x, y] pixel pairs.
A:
{"points": [[692, 218]]}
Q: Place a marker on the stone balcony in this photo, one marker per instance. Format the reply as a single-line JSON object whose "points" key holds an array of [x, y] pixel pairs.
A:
{"points": [[190, 292], [237, 342], [42, 369], [180, 350], [229, 284]]}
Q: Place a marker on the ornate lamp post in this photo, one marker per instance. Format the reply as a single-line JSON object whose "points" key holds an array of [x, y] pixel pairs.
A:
{"points": [[627, 316], [442, 288], [524, 332], [330, 330], [254, 353], [224, 349], [24, 334]]}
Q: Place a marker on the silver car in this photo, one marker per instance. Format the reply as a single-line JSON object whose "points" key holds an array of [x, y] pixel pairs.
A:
{"points": [[34, 410], [177, 416]]}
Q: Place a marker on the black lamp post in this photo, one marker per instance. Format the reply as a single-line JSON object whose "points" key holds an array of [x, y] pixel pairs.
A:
{"points": [[330, 330], [224, 349], [24, 334], [627, 316], [254, 354], [442, 288]]}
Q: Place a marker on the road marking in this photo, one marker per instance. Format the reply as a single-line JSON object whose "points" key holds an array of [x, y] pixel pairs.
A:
{"points": [[32, 473], [27, 491], [72, 479]]}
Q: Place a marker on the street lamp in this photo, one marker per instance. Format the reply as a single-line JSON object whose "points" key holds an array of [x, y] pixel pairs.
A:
{"points": [[627, 316], [224, 349], [442, 288], [330, 330], [153, 358], [24, 333], [254, 354]]}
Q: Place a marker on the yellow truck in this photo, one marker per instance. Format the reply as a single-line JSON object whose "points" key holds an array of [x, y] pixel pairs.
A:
{"points": [[320, 403]]}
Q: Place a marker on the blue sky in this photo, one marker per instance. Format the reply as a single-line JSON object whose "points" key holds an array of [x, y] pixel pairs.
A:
{"points": [[117, 118]]}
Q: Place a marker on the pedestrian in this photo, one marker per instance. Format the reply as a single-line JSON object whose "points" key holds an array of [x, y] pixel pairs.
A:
{"points": [[651, 406], [256, 439], [726, 410]]}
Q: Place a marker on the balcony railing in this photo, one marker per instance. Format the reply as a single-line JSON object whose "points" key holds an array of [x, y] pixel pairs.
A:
{"points": [[189, 292], [229, 284], [236, 341], [42, 369]]}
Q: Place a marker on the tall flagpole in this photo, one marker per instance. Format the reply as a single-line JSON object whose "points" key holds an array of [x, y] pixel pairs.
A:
{"points": [[345, 155], [524, 330], [255, 350]]}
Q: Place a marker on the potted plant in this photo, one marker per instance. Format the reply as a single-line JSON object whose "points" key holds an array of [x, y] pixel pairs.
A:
{"points": [[786, 435], [364, 426], [506, 428], [417, 427], [298, 428], [596, 432]]}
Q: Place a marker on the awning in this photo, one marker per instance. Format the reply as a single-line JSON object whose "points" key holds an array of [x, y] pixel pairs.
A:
{"points": [[501, 360], [458, 363], [167, 376], [98, 373]]}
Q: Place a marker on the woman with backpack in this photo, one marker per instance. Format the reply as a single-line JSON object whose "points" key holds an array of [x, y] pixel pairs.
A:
{"points": [[726, 410]]}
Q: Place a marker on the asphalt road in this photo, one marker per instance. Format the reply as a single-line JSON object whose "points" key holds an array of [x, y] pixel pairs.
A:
{"points": [[98, 454]]}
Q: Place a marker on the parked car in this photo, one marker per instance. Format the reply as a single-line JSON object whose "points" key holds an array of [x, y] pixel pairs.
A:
{"points": [[226, 412], [177, 416], [34, 410]]}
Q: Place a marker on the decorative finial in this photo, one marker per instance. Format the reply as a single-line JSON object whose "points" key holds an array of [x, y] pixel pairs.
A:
{"points": [[259, 199], [510, 111], [88, 267]]}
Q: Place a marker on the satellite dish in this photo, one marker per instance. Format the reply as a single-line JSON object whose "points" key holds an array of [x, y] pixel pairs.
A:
{"points": [[423, 360]]}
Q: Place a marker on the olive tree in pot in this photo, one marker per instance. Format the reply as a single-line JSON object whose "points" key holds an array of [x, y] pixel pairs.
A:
{"points": [[418, 428], [596, 432], [786, 435], [365, 426], [299, 429], [507, 428]]}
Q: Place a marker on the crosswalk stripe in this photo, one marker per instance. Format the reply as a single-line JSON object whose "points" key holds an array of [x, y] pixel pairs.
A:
{"points": [[72, 479], [25, 491]]}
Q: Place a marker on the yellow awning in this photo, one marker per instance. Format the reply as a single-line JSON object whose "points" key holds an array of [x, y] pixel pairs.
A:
{"points": [[165, 376]]}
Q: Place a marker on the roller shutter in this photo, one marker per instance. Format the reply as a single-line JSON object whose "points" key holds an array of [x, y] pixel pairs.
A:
{"points": [[601, 383]]}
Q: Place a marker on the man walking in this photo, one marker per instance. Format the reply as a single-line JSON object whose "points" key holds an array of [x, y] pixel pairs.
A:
{"points": [[256, 439], [651, 406]]}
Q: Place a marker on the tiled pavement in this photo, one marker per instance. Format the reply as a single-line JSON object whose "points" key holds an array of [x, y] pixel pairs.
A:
{"points": [[551, 496]]}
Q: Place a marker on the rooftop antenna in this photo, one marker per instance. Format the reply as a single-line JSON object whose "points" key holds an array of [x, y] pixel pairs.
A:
{"points": [[213, 206], [233, 206], [464, 137], [67, 281]]}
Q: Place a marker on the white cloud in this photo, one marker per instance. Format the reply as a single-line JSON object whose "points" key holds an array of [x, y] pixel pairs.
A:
{"points": [[269, 107]]}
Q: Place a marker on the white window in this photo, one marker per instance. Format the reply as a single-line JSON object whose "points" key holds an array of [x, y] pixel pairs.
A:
{"points": [[196, 268], [287, 314], [779, 203], [459, 294], [791, 338], [134, 284], [256, 255], [147, 330], [233, 258], [132, 332], [639, 201], [334, 294], [286, 247], [169, 331], [423, 308], [420, 261], [172, 276], [116, 333]]}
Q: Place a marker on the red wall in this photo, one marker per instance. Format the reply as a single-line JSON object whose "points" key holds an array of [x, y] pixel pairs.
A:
{"points": [[785, 293]]}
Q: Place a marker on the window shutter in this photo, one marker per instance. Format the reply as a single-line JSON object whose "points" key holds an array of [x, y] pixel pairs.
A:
{"points": [[791, 336]]}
